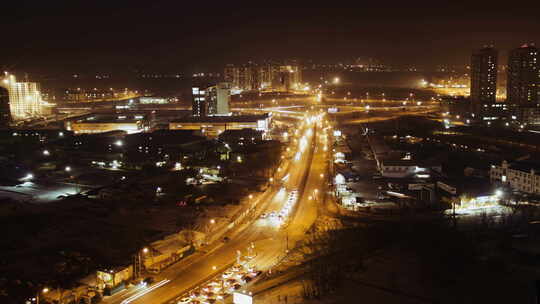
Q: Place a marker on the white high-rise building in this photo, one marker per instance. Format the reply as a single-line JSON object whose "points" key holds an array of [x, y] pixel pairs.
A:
{"points": [[24, 98], [218, 98]]}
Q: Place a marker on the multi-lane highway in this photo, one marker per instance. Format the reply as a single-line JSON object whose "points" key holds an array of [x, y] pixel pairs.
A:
{"points": [[270, 236]]}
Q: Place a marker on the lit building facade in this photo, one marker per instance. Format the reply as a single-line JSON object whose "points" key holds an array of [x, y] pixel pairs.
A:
{"points": [[5, 113], [24, 98], [287, 78], [101, 123], [519, 176], [522, 83], [266, 76], [483, 78], [198, 100], [218, 98], [213, 126]]}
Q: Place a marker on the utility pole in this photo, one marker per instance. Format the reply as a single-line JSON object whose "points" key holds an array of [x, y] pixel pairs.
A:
{"points": [[137, 265], [454, 213], [287, 241]]}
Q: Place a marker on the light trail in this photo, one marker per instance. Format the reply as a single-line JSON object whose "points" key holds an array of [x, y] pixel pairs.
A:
{"points": [[143, 292]]}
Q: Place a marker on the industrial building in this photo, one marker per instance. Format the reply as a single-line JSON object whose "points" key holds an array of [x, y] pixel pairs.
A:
{"points": [[213, 126], [100, 123]]}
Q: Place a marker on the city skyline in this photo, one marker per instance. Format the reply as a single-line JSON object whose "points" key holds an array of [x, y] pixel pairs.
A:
{"points": [[166, 152], [125, 37]]}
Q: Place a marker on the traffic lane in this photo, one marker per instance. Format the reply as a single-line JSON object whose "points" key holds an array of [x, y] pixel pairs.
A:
{"points": [[184, 276], [173, 271], [223, 256], [200, 270], [274, 249], [306, 214], [204, 268]]}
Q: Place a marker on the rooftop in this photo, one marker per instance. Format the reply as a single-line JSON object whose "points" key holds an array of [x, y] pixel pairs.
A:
{"points": [[222, 119], [525, 166], [113, 118], [399, 162]]}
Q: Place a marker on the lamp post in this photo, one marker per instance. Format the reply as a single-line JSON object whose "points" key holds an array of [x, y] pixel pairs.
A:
{"points": [[44, 290]]}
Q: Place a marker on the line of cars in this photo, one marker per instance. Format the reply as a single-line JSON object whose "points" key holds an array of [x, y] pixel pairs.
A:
{"points": [[221, 286], [285, 210]]}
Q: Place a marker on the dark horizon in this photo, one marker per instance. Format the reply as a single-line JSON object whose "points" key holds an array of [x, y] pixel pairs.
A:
{"points": [[173, 36]]}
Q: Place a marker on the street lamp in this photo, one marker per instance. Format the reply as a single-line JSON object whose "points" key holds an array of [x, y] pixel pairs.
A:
{"points": [[212, 221], [68, 169], [46, 152], [44, 290]]}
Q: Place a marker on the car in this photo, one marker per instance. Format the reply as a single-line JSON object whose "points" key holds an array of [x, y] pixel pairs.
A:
{"points": [[227, 274], [209, 295], [226, 239], [184, 301], [148, 280], [264, 215]]}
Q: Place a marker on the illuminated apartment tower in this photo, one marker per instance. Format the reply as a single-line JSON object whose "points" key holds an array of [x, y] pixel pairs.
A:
{"points": [[24, 98], [198, 103], [483, 78], [251, 77], [218, 98], [523, 76]]}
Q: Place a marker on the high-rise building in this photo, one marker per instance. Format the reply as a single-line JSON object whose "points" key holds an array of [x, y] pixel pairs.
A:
{"points": [[218, 98], [522, 83], [286, 78], [5, 113], [264, 76], [24, 98], [198, 104], [483, 78]]}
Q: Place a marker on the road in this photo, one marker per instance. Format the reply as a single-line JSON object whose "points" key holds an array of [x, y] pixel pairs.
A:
{"points": [[269, 238]]}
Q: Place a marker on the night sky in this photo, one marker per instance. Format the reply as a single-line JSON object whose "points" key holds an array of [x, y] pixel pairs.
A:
{"points": [[91, 35]]}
